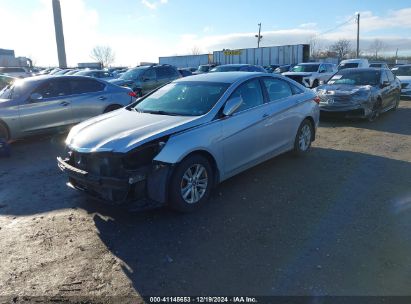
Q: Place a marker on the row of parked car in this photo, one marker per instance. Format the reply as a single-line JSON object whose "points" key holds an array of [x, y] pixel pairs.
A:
{"points": [[64, 97]]}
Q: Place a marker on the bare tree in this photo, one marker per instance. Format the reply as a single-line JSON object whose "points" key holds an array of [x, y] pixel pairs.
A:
{"points": [[376, 46], [342, 47], [195, 50], [103, 54], [315, 46]]}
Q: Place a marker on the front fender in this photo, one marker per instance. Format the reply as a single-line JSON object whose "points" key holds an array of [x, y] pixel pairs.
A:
{"points": [[202, 138]]}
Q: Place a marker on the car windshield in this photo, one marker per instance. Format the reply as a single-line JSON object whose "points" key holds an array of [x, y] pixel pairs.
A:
{"points": [[226, 68], [203, 68], [183, 98], [305, 68], [13, 90], [349, 65], [133, 74], [83, 73], [402, 71], [359, 78]]}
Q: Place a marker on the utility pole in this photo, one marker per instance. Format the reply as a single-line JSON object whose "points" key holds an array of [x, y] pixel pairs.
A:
{"points": [[58, 27], [358, 35], [259, 37]]}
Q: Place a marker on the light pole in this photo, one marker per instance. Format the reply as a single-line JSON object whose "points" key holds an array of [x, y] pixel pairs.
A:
{"points": [[58, 27], [259, 37], [358, 35]]}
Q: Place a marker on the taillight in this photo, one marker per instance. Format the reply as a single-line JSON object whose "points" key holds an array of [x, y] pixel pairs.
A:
{"points": [[132, 94], [317, 99]]}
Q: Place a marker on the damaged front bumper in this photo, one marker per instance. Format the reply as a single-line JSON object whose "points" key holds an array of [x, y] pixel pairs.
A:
{"points": [[146, 186], [333, 106]]}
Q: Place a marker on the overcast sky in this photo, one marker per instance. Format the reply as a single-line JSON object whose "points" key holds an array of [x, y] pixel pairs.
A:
{"points": [[143, 30]]}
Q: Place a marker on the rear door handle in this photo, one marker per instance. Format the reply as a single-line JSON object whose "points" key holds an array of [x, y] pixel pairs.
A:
{"points": [[102, 98], [266, 115], [64, 103]]}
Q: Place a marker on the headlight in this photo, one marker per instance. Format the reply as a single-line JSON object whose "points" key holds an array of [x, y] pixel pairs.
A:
{"points": [[143, 155], [361, 95]]}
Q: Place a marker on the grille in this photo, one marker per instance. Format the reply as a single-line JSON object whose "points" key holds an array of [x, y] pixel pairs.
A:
{"points": [[95, 164], [404, 85], [335, 98]]}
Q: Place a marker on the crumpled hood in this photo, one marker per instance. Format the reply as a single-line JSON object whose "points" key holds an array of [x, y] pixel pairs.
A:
{"points": [[298, 73], [342, 89], [124, 130]]}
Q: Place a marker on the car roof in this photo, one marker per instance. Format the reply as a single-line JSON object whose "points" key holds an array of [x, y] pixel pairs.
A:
{"points": [[48, 77], [308, 63], [235, 65], [403, 65], [226, 77], [363, 69], [91, 71], [354, 60]]}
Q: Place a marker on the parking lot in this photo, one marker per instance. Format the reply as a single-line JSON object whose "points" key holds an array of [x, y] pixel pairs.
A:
{"points": [[335, 222]]}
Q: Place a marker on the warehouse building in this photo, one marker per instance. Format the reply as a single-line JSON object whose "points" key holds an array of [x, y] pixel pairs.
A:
{"points": [[285, 54]]}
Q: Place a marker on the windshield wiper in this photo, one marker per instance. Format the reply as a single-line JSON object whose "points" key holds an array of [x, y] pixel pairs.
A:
{"points": [[160, 113]]}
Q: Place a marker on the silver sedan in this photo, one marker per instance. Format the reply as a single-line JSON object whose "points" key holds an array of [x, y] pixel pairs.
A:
{"points": [[46, 103], [176, 143]]}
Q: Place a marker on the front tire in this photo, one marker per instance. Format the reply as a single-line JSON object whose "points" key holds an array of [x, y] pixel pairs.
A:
{"points": [[191, 184], [375, 112], [316, 83], [304, 138]]}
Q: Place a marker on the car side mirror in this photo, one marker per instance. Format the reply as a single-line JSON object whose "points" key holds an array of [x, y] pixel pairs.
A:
{"points": [[322, 71], [36, 97], [385, 84], [232, 105]]}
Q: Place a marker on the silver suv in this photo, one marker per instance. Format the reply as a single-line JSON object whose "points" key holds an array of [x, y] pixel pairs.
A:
{"points": [[311, 74], [144, 79]]}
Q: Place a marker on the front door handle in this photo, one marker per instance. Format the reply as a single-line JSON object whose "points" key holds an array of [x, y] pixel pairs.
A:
{"points": [[102, 98], [64, 103], [265, 115]]}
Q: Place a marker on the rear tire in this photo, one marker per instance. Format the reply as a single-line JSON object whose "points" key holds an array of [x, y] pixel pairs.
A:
{"points": [[304, 138], [191, 184], [4, 132], [111, 108]]}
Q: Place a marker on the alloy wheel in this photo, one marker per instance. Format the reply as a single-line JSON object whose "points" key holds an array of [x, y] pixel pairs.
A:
{"points": [[194, 184], [304, 138]]}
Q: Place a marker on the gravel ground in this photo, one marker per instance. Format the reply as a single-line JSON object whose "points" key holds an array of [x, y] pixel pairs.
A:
{"points": [[335, 222]]}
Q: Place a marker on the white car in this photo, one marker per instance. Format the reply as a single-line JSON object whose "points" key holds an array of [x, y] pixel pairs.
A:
{"points": [[353, 63], [403, 73], [311, 74], [19, 72]]}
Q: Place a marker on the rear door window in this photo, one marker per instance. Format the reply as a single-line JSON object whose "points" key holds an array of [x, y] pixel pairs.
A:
{"points": [[82, 86], [277, 89], [163, 73], [150, 75]]}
